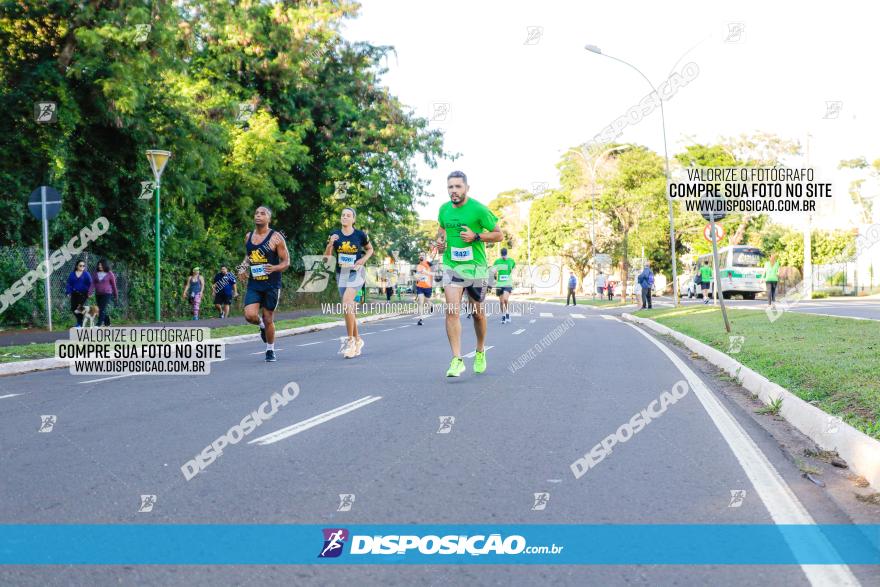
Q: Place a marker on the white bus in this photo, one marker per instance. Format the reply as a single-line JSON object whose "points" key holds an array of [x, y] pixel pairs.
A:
{"points": [[742, 272]]}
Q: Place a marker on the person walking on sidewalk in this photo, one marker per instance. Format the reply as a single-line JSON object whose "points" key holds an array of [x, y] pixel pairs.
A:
{"points": [[79, 282], [646, 281], [771, 277], [601, 281], [104, 286], [195, 285], [225, 288], [572, 285]]}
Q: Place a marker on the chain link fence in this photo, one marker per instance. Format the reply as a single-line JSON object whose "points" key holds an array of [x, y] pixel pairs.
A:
{"points": [[16, 262], [136, 291]]}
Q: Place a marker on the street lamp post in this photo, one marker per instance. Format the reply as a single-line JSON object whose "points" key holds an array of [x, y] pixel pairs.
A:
{"points": [[157, 160], [598, 51]]}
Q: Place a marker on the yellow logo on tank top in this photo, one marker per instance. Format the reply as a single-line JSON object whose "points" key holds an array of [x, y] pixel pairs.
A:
{"points": [[257, 260]]}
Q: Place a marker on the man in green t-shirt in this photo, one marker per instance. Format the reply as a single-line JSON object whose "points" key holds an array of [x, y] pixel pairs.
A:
{"points": [[503, 268], [771, 278], [465, 224], [705, 279]]}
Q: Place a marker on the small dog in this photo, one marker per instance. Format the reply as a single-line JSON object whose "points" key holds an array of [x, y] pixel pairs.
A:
{"points": [[89, 313]]}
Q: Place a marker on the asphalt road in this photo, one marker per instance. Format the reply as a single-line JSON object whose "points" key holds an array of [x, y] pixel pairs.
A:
{"points": [[514, 434]]}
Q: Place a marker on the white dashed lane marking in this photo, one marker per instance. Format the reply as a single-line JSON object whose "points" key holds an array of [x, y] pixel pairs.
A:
{"points": [[304, 425]]}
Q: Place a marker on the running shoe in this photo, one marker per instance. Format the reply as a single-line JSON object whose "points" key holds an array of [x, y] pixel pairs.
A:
{"points": [[359, 344], [419, 323], [479, 361], [270, 356], [456, 367], [350, 349]]}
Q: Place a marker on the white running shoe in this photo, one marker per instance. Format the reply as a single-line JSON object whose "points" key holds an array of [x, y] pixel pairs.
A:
{"points": [[350, 349]]}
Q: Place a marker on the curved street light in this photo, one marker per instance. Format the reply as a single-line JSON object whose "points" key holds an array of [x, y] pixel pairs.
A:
{"points": [[598, 51]]}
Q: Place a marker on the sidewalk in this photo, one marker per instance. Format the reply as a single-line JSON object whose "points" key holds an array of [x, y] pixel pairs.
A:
{"points": [[28, 336]]}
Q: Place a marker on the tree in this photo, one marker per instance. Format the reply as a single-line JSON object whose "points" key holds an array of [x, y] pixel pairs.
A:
{"points": [[634, 198], [865, 205], [757, 150], [260, 103], [506, 206]]}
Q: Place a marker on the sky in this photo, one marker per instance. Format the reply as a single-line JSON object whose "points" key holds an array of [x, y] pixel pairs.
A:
{"points": [[512, 87]]}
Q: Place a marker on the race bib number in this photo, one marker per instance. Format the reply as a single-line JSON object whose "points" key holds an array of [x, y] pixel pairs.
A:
{"points": [[421, 277], [258, 271], [504, 278], [347, 259], [462, 254]]}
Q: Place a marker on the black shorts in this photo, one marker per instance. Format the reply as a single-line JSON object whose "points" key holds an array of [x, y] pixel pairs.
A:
{"points": [[267, 298], [501, 290], [222, 299], [704, 285], [425, 291], [476, 288]]}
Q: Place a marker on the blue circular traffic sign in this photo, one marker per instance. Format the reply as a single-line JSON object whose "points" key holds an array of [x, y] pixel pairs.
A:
{"points": [[45, 198]]}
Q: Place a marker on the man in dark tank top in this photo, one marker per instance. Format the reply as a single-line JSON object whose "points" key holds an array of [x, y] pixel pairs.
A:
{"points": [[266, 258]]}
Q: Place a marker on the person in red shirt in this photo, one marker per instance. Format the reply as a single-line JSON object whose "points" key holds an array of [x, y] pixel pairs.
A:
{"points": [[104, 286]]}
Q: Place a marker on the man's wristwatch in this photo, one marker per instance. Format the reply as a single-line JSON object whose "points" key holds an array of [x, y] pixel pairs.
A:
{"points": [[477, 237]]}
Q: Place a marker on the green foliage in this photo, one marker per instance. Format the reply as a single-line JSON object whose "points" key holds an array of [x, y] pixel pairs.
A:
{"points": [[320, 116], [13, 268], [826, 246]]}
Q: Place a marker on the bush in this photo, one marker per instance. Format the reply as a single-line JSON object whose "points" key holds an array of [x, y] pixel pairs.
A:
{"points": [[818, 295], [13, 268]]}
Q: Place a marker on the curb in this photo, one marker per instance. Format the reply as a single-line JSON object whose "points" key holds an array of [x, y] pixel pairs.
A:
{"points": [[860, 451], [46, 364]]}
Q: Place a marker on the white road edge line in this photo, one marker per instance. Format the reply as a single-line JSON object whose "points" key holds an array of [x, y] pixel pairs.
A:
{"points": [[546, 315], [520, 331], [261, 352], [472, 354], [780, 501], [532, 321], [583, 316], [289, 431], [9, 395], [311, 343]]}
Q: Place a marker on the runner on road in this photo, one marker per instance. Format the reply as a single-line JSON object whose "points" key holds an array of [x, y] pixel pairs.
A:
{"points": [[465, 224], [352, 249], [503, 268], [265, 259], [424, 284]]}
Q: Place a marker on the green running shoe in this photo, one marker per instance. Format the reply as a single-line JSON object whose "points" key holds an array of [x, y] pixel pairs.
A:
{"points": [[456, 367], [480, 361]]}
